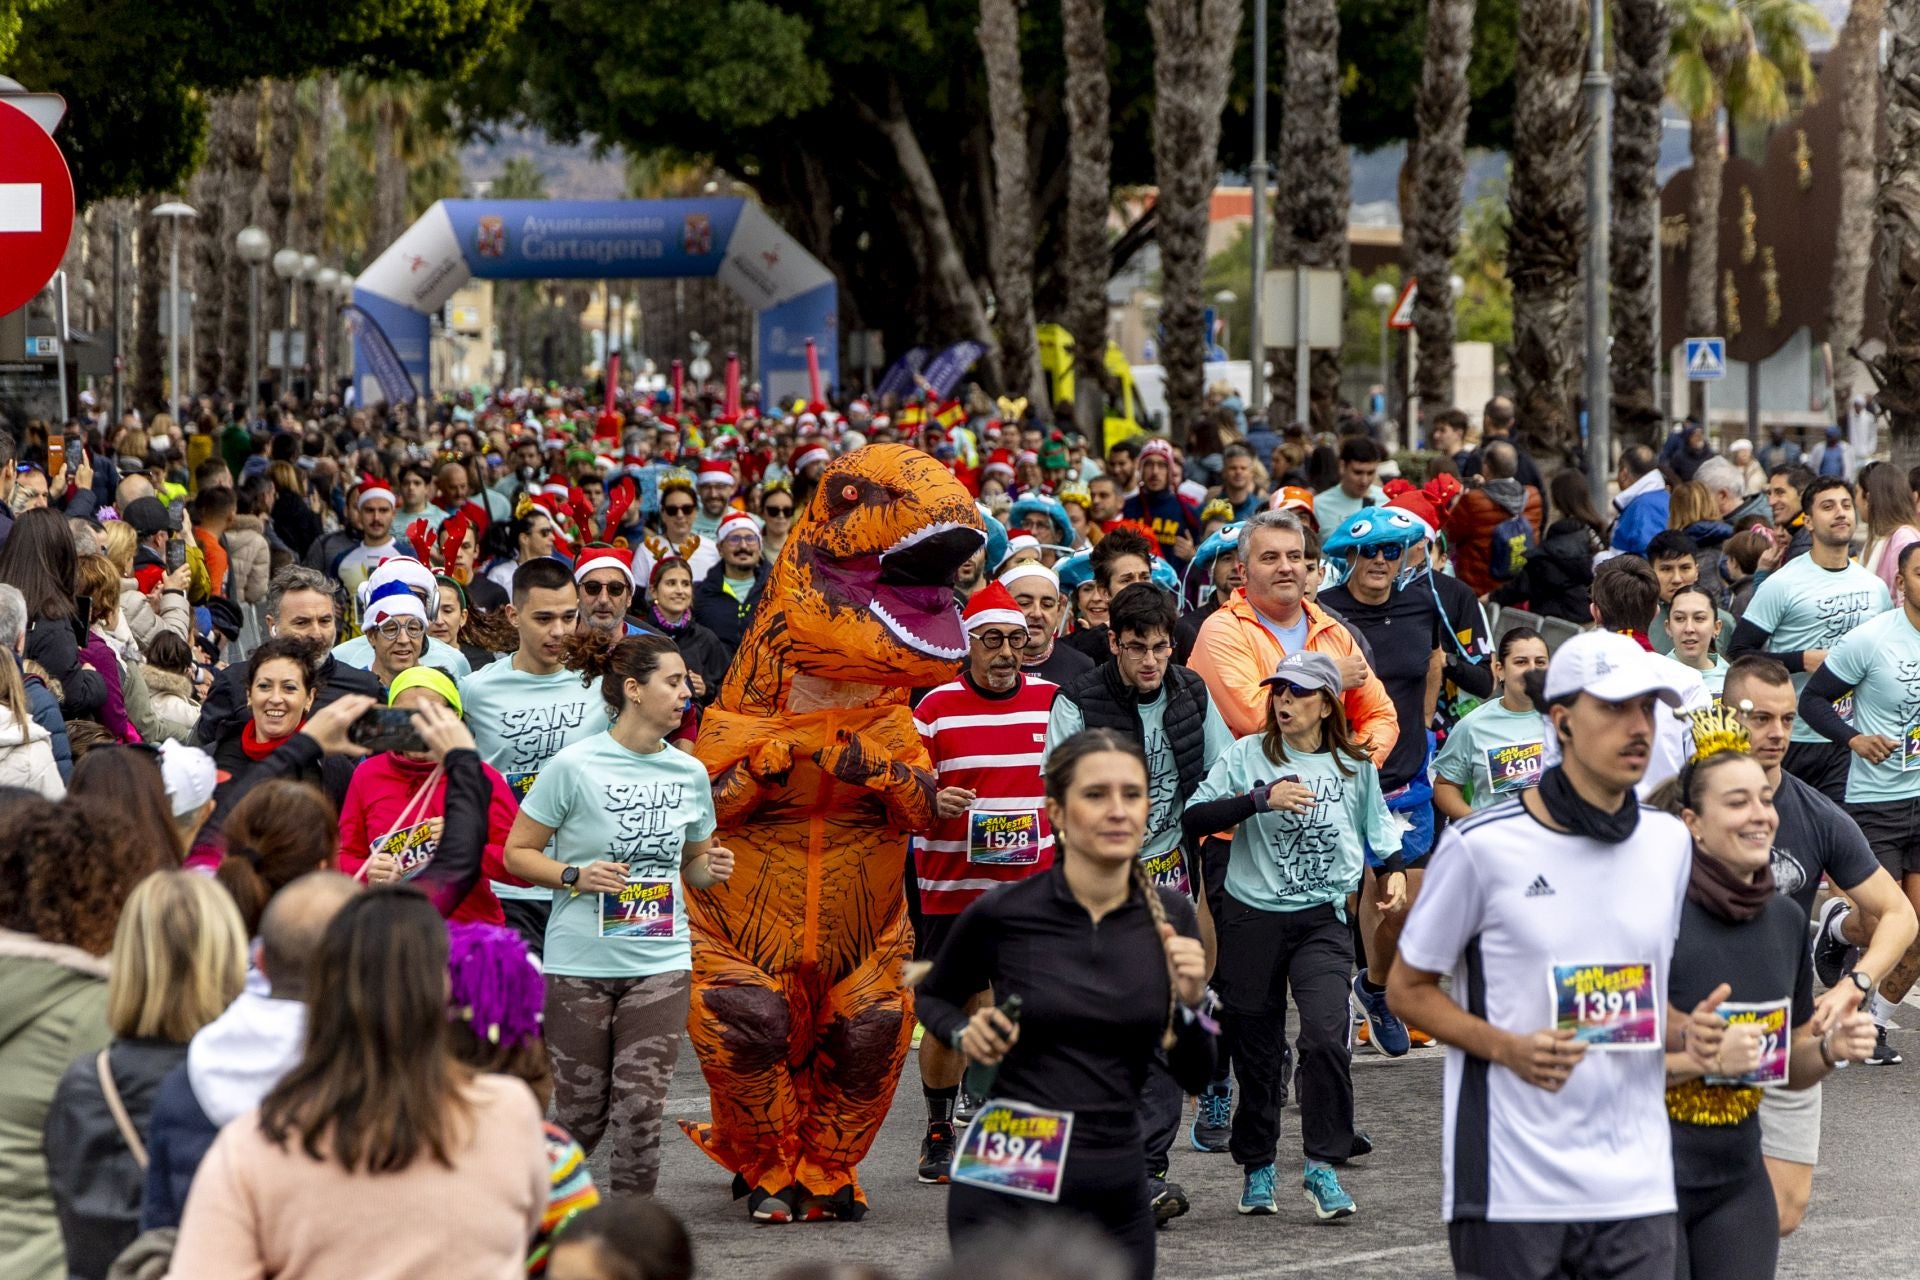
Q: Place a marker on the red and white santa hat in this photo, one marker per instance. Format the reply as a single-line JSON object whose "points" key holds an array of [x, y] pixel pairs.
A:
{"points": [[997, 465], [992, 606], [808, 456], [371, 489], [1193, 491], [1028, 456], [592, 558], [734, 523], [714, 473]]}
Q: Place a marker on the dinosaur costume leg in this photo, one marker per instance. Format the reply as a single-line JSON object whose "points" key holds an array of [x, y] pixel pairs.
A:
{"points": [[862, 1030], [742, 1023]]}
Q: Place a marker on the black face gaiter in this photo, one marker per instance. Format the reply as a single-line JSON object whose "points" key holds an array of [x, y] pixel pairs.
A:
{"points": [[1565, 807]]}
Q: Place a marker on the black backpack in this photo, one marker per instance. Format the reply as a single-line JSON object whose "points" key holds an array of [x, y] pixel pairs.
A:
{"points": [[1509, 548]]}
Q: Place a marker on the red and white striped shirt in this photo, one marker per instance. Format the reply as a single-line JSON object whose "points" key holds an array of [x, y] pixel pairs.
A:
{"points": [[993, 745]]}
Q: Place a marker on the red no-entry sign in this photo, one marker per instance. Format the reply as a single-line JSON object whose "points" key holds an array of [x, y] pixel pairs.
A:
{"points": [[36, 208]]}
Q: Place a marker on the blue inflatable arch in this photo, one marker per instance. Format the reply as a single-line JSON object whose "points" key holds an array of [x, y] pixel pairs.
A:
{"points": [[725, 238]]}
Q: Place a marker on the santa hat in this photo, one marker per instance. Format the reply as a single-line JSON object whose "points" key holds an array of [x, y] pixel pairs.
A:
{"points": [[809, 419], [997, 465], [736, 522], [1157, 448], [1193, 491], [715, 473], [1026, 456], [392, 600], [1018, 543], [859, 406], [592, 558], [992, 605], [807, 457], [370, 489]]}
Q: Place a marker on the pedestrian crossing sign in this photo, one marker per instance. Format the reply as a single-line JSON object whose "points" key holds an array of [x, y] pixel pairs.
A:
{"points": [[1706, 359]]}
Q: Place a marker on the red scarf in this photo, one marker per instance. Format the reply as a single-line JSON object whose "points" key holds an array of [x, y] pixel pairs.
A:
{"points": [[256, 749], [1639, 638]]}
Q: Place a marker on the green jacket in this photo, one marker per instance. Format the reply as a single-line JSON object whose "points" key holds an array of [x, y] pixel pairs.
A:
{"points": [[53, 1009]]}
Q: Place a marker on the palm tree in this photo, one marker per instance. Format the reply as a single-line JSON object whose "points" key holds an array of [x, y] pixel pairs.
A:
{"points": [[1192, 57], [1439, 161], [1898, 371], [1310, 217], [1639, 65], [1010, 242], [1744, 56], [1547, 203], [1083, 26], [1858, 55]]}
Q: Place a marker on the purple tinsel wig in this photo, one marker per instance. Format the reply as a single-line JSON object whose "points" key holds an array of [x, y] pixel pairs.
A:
{"points": [[495, 987]]}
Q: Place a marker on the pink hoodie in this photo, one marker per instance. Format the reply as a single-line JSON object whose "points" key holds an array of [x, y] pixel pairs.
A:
{"points": [[378, 795]]}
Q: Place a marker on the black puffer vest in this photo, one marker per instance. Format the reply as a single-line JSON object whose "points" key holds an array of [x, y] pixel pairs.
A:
{"points": [[1108, 702]]}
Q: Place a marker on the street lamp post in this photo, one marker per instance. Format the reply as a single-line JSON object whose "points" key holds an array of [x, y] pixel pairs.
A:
{"points": [[326, 284], [344, 367], [174, 210], [309, 271], [1257, 175], [1599, 89], [255, 247], [286, 265], [1383, 295]]}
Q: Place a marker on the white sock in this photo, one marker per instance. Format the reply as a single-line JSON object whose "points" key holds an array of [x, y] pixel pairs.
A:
{"points": [[1882, 1010], [1836, 925]]}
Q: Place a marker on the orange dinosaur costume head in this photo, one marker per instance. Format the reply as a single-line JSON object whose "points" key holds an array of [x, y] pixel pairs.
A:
{"points": [[863, 589]]}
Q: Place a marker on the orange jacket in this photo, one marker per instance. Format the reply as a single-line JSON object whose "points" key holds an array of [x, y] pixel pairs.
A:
{"points": [[1470, 527], [1235, 652]]}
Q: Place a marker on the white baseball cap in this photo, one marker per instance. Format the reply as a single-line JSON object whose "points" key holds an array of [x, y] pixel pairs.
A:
{"points": [[1610, 666]]}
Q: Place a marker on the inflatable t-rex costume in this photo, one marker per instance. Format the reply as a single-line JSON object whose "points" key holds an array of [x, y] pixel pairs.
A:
{"points": [[798, 1012]]}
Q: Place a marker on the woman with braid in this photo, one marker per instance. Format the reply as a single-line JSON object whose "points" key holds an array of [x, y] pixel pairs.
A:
{"points": [[1109, 971]]}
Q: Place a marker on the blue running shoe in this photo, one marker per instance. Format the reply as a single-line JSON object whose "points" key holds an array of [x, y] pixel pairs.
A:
{"points": [[1213, 1118], [1329, 1199], [1257, 1195], [1387, 1032]]}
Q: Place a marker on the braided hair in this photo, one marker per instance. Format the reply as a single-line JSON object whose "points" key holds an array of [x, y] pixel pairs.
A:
{"points": [[1061, 767]]}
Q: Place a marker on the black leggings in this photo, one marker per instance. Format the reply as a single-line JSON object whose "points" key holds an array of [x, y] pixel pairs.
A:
{"points": [[1731, 1231], [1104, 1187]]}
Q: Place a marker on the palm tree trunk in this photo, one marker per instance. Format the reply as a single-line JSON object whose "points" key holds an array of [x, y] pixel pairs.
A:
{"points": [[389, 171], [150, 275], [1898, 371], [1547, 203], [241, 200], [1192, 57], [1703, 239], [1089, 180], [1010, 238], [1640, 30], [231, 136], [945, 264], [1440, 172], [1310, 222], [1859, 55]]}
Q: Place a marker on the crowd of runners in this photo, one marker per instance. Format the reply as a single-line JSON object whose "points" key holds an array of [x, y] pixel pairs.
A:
{"points": [[350, 767]]}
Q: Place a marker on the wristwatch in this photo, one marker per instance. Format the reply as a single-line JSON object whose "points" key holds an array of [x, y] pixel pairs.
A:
{"points": [[570, 877], [1861, 981]]}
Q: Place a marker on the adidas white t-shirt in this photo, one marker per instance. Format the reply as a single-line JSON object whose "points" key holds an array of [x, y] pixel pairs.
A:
{"points": [[1506, 899]]}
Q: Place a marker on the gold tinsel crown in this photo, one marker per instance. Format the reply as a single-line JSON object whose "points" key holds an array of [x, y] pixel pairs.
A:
{"points": [[1717, 728]]}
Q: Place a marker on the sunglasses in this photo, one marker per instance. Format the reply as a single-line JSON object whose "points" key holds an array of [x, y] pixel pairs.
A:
{"points": [[1389, 554], [614, 589], [1297, 690], [678, 510], [777, 513], [992, 640]]}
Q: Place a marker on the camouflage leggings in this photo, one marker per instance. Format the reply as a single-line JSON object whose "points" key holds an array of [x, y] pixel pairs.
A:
{"points": [[613, 1042]]}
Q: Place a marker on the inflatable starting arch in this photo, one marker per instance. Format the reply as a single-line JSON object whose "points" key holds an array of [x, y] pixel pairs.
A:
{"points": [[725, 238]]}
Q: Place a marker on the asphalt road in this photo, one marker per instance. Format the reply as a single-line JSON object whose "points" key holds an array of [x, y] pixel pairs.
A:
{"points": [[1861, 1222]]}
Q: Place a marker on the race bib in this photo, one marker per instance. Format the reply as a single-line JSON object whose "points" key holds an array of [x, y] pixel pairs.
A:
{"points": [[412, 847], [522, 783], [1169, 870], [644, 909], [1003, 837], [1843, 707], [1606, 1006], [1910, 748], [1775, 1041], [1017, 1149], [1515, 766]]}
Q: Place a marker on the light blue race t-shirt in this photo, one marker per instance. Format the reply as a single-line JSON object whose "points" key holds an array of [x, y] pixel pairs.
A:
{"points": [[1881, 661], [1292, 861], [608, 804], [520, 721], [1493, 754], [1806, 607]]}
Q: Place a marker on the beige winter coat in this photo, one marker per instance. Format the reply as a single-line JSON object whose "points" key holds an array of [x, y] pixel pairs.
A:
{"points": [[144, 618], [26, 760], [171, 709], [248, 559]]}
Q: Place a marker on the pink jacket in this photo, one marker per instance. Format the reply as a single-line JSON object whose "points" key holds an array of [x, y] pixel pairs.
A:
{"points": [[377, 797]]}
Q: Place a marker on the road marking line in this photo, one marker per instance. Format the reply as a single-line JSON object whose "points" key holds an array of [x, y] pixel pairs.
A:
{"points": [[1329, 1264]]}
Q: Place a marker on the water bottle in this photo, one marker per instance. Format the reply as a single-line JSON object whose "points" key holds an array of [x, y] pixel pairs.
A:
{"points": [[980, 1077]]}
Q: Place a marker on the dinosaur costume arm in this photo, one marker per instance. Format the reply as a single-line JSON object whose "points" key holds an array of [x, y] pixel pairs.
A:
{"points": [[861, 759]]}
